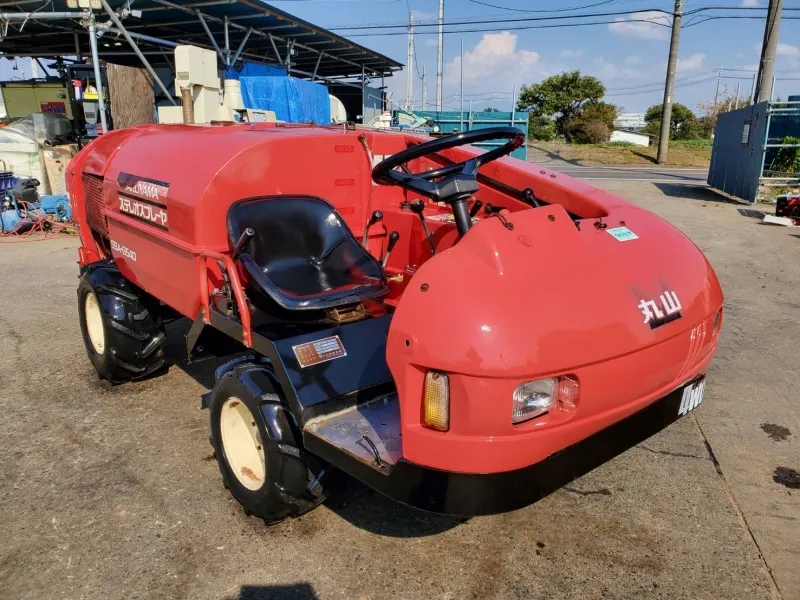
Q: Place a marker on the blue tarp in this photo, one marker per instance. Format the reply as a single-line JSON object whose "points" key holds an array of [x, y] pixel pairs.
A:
{"points": [[293, 100], [250, 69]]}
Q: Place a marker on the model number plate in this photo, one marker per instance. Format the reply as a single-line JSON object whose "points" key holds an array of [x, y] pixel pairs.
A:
{"points": [[692, 396], [319, 351]]}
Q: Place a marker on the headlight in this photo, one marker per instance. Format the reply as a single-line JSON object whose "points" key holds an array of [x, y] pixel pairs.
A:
{"points": [[535, 398]]}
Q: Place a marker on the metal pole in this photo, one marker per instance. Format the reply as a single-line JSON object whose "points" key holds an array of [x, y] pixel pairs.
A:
{"points": [[410, 61], [440, 58], [227, 43], [40, 16], [736, 103], [363, 94], [146, 38], [316, 67], [513, 102], [769, 47], [716, 94], [77, 46], [101, 101], [753, 89], [666, 113], [772, 89], [244, 41], [424, 89], [461, 94], [135, 48]]}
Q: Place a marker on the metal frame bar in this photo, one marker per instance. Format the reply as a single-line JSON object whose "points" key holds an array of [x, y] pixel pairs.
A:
{"points": [[138, 52], [101, 101], [227, 43], [262, 33], [241, 47], [146, 38], [275, 48], [316, 67]]}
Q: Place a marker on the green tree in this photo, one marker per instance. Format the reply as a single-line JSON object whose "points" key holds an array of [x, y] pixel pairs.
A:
{"points": [[491, 109], [586, 126], [541, 128], [683, 124], [562, 96]]}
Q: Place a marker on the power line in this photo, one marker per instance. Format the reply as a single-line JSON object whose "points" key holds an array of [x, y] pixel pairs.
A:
{"points": [[520, 28], [553, 10], [507, 20]]}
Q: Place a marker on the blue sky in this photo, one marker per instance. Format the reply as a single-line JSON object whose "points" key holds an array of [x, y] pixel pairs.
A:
{"points": [[630, 58]]}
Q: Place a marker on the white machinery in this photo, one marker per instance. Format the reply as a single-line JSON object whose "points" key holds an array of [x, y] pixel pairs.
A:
{"points": [[196, 70], [338, 113]]}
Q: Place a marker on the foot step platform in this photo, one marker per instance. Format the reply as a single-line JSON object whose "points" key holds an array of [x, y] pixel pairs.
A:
{"points": [[369, 433]]}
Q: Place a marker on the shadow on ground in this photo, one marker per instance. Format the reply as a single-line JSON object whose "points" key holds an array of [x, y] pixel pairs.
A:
{"points": [[692, 192], [371, 511], [299, 591], [554, 157]]}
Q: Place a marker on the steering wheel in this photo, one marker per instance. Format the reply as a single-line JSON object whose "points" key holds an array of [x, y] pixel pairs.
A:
{"points": [[454, 183]]}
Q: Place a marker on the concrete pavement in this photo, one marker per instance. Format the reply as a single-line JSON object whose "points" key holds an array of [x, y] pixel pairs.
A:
{"points": [[112, 492]]}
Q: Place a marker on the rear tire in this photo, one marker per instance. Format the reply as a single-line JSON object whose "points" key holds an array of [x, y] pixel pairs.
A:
{"points": [[123, 339], [264, 467]]}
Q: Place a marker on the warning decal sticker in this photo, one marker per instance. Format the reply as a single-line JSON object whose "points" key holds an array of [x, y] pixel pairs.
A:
{"points": [[319, 351]]}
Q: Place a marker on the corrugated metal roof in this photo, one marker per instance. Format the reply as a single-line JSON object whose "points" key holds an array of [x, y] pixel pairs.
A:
{"points": [[274, 33]]}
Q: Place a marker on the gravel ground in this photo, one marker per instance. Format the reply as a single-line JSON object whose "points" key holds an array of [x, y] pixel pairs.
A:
{"points": [[112, 492]]}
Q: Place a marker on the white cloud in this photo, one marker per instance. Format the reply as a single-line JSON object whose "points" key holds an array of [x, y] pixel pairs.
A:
{"points": [[750, 3], [572, 53], [787, 50], [691, 63], [432, 41], [647, 24], [606, 70], [495, 60], [633, 60]]}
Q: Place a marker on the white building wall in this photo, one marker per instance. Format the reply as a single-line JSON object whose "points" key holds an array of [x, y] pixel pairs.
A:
{"points": [[629, 136]]}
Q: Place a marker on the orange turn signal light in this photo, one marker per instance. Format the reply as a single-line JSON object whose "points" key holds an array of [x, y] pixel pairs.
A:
{"points": [[436, 401]]}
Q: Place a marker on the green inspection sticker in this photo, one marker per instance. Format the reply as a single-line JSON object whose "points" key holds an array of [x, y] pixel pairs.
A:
{"points": [[623, 234]]}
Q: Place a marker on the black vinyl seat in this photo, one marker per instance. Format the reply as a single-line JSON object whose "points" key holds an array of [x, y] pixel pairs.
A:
{"points": [[303, 256]]}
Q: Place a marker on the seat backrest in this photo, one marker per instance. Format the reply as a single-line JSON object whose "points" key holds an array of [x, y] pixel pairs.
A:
{"points": [[286, 228]]}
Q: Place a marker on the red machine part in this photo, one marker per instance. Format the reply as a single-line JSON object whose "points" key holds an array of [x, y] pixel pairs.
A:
{"points": [[503, 306]]}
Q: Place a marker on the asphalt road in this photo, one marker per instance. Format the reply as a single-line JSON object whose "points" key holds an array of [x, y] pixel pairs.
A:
{"points": [[113, 493], [651, 174]]}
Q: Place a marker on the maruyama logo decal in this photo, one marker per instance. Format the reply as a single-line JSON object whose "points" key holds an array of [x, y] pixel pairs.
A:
{"points": [[144, 211], [658, 313], [142, 186]]}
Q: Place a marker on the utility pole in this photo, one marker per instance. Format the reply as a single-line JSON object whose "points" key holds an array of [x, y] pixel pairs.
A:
{"points": [[766, 68], [736, 104], [410, 66], [461, 110], [440, 58], [672, 65], [753, 89], [716, 94], [424, 89]]}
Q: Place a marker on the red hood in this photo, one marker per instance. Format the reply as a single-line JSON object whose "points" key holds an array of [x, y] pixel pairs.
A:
{"points": [[545, 297]]}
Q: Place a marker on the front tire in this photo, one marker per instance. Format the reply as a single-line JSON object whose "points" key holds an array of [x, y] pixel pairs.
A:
{"points": [[263, 465], [123, 339]]}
